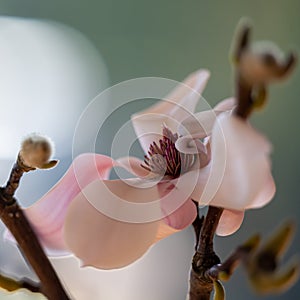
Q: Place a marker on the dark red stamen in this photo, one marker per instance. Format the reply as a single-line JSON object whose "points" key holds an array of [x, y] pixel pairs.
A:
{"points": [[164, 159]]}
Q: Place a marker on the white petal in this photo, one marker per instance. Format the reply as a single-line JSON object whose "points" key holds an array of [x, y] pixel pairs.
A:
{"points": [[103, 242], [171, 111], [132, 165], [201, 124], [243, 160], [230, 222], [265, 195], [110, 224]]}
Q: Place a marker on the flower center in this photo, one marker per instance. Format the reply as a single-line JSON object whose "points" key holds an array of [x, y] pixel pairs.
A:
{"points": [[165, 159]]}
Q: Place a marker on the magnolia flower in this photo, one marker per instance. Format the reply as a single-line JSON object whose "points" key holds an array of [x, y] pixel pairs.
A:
{"points": [[111, 223], [246, 178]]}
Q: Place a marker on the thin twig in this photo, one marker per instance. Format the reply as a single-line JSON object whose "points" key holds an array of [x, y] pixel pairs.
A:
{"points": [[201, 285], [240, 254], [13, 217], [244, 93], [197, 224], [208, 229]]}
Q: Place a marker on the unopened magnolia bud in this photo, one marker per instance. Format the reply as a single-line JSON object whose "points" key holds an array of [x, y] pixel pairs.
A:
{"points": [[36, 151], [275, 282], [262, 62], [265, 273]]}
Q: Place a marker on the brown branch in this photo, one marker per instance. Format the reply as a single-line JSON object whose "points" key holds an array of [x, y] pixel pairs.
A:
{"points": [[197, 225], [208, 230], [243, 90], [13, 217], [241, 254], [244, 94], [201, 283], [205, 258], [13, 181], [254, 70]]}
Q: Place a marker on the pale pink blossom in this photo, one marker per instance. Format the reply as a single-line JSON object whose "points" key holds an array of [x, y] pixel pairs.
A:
{"points": [[246, 179], [111, 223]]}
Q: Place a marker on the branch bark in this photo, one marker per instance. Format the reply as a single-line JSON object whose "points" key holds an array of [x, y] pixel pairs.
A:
{"points": [[201, 285], [205, 259], [15, 220]]}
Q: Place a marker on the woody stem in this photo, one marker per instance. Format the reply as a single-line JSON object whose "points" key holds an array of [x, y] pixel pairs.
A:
{"points": [[15, 220]]}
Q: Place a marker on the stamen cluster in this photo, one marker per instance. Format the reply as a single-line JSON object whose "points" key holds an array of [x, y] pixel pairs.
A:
{"points": [[164, 159]]}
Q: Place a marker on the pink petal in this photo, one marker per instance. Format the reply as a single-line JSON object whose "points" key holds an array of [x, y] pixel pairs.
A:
{"points": [[175, 193], [48, 214], [225, 105], [189, 145], [176, 107], [132, 165], [240, 168], [230, 222], [194, 183], [111, 215], [183, 216], [103, 242], [201, 124], [125, 214], [183, 210], [164, 231], [265, 195]]}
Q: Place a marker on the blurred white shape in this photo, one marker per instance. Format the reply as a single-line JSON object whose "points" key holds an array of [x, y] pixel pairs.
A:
{"points": [[157, 275], [48, 72]]}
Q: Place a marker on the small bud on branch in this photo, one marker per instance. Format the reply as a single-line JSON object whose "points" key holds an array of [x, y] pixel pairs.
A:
{"points": [[35, 153], [256, 65], [263, 268]]}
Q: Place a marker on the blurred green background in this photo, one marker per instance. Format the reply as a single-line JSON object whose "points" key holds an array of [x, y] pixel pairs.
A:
{"points": [[170, 39]]}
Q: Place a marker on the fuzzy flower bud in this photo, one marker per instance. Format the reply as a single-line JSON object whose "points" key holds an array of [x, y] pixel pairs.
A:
{"points": [[260, 63], [35, 152], [265, 274]]}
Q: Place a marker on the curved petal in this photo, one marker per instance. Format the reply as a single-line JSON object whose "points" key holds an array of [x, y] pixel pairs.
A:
{"points": [[194, 183], [113, 214], [104, 242], [175, 107], [189, 145], [225, 105], [48, 214], [110, 215], [176, 192], [200, 125], [164, 231], [230, 222], [183, 217], [132, 165], [265, 195], [246, 164], [185, 210]]}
